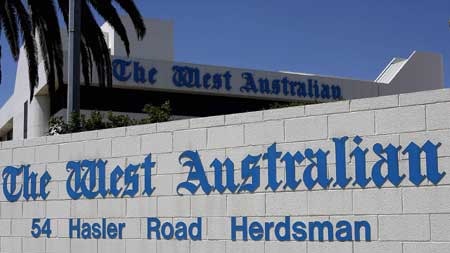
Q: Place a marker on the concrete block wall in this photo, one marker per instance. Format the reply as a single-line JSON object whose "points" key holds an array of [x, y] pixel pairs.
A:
{"points": [[405, 219]]}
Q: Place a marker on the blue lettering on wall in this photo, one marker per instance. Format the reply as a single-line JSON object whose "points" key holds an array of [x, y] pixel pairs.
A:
{"points": [[310, 89], [289, 230], [89, 179], [190, 77], [123, 71], [177, 230], [120, 70], [315, 174], [32, 187], [184, 76]]}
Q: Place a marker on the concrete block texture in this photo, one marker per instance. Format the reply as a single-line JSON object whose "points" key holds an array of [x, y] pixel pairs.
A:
{"points": [[307, 128], [403, 219], [401, 119]]}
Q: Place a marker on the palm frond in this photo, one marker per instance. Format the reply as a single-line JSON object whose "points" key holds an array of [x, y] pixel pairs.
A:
{"points": [[29, 44], [130, 8], [95, 41], [45, 22], [109, 13], [86, 63], [9, 20]]}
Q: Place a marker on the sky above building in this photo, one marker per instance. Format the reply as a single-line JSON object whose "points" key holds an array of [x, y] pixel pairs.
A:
{"points": [[350, 38]]}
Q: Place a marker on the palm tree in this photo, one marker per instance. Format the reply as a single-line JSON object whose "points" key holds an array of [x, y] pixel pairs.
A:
{"points": [[40, 20], [14, 18]]}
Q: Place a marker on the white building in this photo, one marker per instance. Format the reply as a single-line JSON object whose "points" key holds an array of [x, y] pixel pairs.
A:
{"points": [[150, 75]]}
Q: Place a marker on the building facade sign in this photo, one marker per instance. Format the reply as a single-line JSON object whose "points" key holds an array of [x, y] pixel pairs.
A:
{"points": [[224, 81]]}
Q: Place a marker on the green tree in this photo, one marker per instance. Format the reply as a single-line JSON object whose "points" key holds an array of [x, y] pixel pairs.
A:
{"points": [[39, 19], [15, 20]]}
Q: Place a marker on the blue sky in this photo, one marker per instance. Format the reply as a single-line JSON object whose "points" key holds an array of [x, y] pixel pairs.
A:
{"points": [[349, 38]]}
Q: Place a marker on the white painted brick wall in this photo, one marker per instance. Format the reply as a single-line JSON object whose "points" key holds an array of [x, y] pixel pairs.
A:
{"points": [[242, 205], [218, 228], [20, 227], [34, 209], [79, 245], [141, 129], [105, 210], [32, 245], [378, 247], [172, 126], [207, 122], [374, 103], [208, 246], [438, 116], [440, 227], [141, 207], [57, 245], [329, 247], [308, 128], [71, 151], [264, 133], [241, 118], [5, 157], [11, 210], [111, 246], [62, 138], [11, 244], [83, 208], [348, 124], [194, 139], [404, 227], [287, 203], [401, 119], [47, 153], [406, 219], [156, 143], [377, 201], [23, 155], [426, 200], [425, 247], [428, 97], [58, 209], [284, 113], [95, 149], [174, 206], [330, 202], [275, 247], [214, 205], [112, 132], [327, 108], [126, 146], [228, 136], [245, 247], [138, 245], [83, 136], [5, 227], [173, 246]]}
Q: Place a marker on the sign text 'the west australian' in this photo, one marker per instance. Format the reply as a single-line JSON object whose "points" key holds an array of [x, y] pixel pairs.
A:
{"points": [[88, 179]]}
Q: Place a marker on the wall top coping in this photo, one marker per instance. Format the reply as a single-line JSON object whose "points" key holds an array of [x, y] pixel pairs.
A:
{"points": [[345, 106]]}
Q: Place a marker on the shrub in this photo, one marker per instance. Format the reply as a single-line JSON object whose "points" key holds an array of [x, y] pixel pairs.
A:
{"points": [[157, 113], [95, 121], [79, 122], [57, 125], [119, 120]]}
